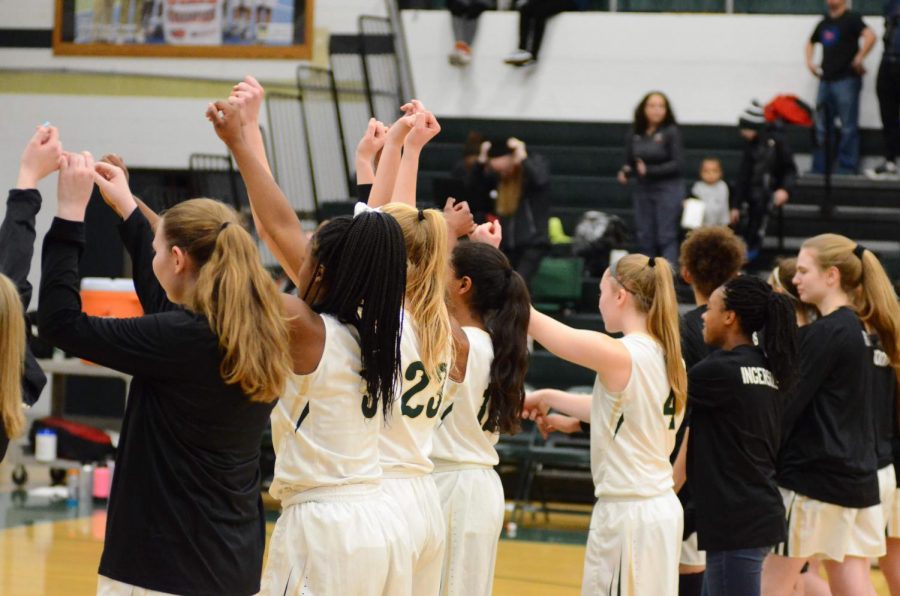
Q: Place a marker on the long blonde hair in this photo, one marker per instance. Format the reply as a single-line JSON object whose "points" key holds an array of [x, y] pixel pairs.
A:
{"points": [[864, 280], [425, 233], [653, 288], [12, 358], [235, 294]]}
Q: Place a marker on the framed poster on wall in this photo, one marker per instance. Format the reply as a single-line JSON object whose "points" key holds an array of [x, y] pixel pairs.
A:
{"points": [[185, 28]]}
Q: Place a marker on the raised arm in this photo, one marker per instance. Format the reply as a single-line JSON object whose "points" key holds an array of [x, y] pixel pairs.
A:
{"points": [[367, 149], [271, 207], [590, 349], [248, 95], [149, 214], [389, 164], [425, 128]]}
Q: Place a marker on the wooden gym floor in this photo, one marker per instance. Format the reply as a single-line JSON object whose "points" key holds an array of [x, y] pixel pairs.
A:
{"points": [[49, 549]]}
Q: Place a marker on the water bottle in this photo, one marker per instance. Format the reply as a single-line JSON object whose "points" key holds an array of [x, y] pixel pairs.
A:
{"points": [[45, 445], [72, 487]]}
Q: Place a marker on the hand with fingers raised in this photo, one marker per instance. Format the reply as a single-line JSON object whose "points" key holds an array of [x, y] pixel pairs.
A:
{"points": [[226, 120], [412, 108], [248, 95], [113, 184], [76, 183], [372, 140], [40, 157]]}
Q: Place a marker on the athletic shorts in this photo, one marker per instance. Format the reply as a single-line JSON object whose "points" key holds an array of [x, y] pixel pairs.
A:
{"points": [[828, 531], [634, 547], [890, 500], [473, 506], [341, 540], [420, 507], [111, 587], [691, 553]]}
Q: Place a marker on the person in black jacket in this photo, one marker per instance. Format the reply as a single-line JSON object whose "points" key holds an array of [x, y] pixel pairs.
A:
{"points": [[654, 157], [40, 158], [522, 184], [766, 179], [738, 395], [208, 359], [828, 468]]}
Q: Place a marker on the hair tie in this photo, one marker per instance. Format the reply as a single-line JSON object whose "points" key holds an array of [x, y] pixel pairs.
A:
{"points": [[651, 262], [859, 250], [421, 215]]}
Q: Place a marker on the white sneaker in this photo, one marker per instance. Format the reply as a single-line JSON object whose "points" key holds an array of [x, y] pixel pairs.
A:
{"points": [[886, 171], [461, 54], [519, 58]]}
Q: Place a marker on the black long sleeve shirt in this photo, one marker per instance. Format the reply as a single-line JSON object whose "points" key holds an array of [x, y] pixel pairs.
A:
{"points": [[16, 249], [185, 513], [662, 153], [829, 451]]}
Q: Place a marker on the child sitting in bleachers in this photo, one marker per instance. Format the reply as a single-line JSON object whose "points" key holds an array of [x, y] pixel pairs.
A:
{"points": [[713, 191]]}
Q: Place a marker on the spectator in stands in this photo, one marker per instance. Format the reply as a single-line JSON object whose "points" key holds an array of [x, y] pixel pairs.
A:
{"points": [[465, 25], [471, 185], [840, 81], [714, 193], [654, 157], [522, 184], [766, 179], [888, 88], [533, 16]]}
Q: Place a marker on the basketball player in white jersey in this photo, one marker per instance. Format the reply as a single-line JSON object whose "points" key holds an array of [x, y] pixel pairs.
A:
{"points": [[490, 306], [339, 533], [637, 405]]}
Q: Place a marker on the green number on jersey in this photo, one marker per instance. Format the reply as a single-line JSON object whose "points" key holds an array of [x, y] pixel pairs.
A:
{"points": [[369, 406], [669, 410], [412, 371], [483, 413]]}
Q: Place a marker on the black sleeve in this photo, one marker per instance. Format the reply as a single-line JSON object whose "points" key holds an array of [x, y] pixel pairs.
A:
{"points": [[711, 384], [786, 174], [17, 239], [362, 193], [138, 240], [629, 150], [154, 346], [817, 356], [817, 33], [537, 171], [675, 165], [17, 236], [859, 25]]}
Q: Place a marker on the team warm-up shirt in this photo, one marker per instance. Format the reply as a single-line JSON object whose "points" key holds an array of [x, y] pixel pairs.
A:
{"points": [[829, 451], [408, 434], [325, 429], [693, 350], [733, 448], [185, 514], [884, 396], [460, 438], [633, 431]]}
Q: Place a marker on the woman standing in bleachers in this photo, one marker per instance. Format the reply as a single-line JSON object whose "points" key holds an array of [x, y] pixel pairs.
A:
{"points": [[654, 158]]}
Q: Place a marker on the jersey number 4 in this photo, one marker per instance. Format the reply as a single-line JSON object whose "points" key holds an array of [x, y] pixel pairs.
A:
{"points": [[669, 410], [417, 369]]}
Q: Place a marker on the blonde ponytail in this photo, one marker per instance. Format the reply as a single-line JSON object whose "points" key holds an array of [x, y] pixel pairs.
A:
{"points": [[235, 294], [425, 233], [12, 358], [651, 283], [868, 286]]}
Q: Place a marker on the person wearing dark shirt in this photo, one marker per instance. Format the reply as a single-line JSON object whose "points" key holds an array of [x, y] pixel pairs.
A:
{"points": [[766, 178], [208, 359], [827, 468], [533, 17], [468, 183], [39, 159], [709, 257], [887, 87], [840, 81], [738, 394], [522, 183], [654, 158]]}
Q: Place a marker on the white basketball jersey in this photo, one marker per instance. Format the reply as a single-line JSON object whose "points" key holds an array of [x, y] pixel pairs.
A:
{"points": [[408, 433], [460, 438], [633, 431], [325, 430]]}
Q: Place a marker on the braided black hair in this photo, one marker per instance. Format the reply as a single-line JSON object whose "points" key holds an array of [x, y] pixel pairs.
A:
{"points": [[760, 309], [364, 282], [500, 296]]}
